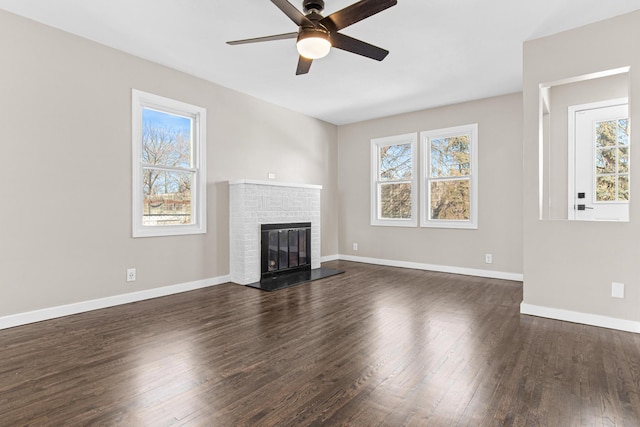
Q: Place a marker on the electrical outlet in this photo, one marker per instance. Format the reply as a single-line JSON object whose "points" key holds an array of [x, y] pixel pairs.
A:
{"points": [[271, 175], [131, 274], [488, 258], [617, 290], [355, 246]]}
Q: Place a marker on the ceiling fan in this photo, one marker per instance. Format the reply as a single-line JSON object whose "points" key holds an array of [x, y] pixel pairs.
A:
{"points": [[316, 34]]}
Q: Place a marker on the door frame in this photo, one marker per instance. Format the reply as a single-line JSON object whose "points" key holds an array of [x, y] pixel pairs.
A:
{"points": [[571, 144]]}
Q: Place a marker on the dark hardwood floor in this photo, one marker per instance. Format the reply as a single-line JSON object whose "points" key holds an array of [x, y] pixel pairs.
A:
{"points": [[374, 346]]}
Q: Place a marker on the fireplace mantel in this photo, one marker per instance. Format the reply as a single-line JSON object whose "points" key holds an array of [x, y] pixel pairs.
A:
{"points": [[273, 183], [253, 203]]}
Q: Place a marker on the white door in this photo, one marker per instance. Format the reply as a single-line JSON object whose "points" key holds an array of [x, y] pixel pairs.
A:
{"points": [[601, 161]]}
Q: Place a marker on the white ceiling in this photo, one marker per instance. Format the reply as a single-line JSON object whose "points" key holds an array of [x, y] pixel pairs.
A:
{"points": [[442, 51]]}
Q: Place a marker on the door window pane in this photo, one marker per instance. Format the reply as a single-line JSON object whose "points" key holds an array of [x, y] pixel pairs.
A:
{"points": [[623, 187], [606, 188], [623, 131], [606, 133], [606, 160], [623, 159]]}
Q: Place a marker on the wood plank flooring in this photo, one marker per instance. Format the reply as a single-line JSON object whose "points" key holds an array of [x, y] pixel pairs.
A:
{"points": [[376, 346]]}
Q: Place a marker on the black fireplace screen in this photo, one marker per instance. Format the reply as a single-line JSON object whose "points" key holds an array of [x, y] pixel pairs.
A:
{"points": [[285, 248]]}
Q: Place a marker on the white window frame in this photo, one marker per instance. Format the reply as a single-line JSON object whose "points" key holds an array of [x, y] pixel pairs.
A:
{"points": [[425, 177], [198, 115], [376, 143]]}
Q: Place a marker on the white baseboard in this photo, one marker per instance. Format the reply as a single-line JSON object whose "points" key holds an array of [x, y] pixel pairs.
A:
{"points": [[96, 304], [329, 258], [578, 317], [432, 267]]}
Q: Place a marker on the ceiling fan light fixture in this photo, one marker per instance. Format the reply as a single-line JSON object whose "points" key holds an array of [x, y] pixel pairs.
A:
{"points": [[313, 44], [317, 34]]}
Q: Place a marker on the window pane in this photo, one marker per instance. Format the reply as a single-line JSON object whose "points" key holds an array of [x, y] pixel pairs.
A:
{"points": [[395, 201], [623, 131], [166, 139], [450, 156], [606, 133], [395, 162], [606, 188], [623, 159], [167, 197], [623, 187], [450, 200], [606, 160]]}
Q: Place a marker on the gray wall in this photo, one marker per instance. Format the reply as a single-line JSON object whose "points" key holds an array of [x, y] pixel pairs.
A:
{"points": [[65, 216], [500, 201], [569, 265], [65, 219]]}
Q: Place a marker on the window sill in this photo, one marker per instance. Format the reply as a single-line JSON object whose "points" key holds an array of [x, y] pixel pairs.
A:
{"points": [[160, 231], [394, 223], [450, 224]]}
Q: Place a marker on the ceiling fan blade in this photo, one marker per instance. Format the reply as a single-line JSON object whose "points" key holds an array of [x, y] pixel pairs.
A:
{"points": [[355, 13], [265, 39], [303, 65], [358, 47], [293, 13]]}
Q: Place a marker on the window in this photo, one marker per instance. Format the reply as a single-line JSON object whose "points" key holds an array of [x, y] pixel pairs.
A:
{"points": [[450, 177], [169, 183], [612, 160], [393, 184]]}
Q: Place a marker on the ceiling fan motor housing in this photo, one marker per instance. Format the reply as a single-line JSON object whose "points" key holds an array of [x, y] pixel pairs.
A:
{"points": [[311, 5]]}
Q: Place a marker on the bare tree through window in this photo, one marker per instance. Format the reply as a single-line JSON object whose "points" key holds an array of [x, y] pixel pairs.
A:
{"points": [[167, 160], [169, 166], [450, 160], [395, 191], [449, 180]]}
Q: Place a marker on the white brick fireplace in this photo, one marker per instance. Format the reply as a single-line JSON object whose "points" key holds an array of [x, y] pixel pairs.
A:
{"points": [[253, 203]]}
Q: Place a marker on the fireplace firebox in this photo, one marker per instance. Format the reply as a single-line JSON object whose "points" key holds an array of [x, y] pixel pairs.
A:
{"points": [[285, 248]]}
